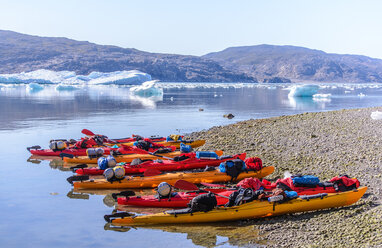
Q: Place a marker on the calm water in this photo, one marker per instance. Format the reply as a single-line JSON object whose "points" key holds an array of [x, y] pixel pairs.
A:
{"points": [[34, 207]]}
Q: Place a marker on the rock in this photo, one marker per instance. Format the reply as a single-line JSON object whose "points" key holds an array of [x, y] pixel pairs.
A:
{"points": [[229, 116], [201, 109]]}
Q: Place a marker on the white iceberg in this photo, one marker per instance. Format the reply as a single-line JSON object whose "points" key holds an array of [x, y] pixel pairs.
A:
{"points": [[43, 76], [147, 89], [119, 77], [376, 115], [303, 90]]}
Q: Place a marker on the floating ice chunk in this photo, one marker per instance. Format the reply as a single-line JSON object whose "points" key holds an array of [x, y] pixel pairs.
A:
{"points": [[347, 91], [361, 95], [322, 95], [303, 91], [376, 115], [66, 87], [34, 87], [147, 89]]}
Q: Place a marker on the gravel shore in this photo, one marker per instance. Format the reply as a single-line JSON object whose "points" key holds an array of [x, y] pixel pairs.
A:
{"points": [[325, 144]]}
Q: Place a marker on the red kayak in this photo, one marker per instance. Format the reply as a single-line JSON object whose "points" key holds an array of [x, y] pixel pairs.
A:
{"points": [[189, 163], [181, 199], [178, 199], [75, 151]]}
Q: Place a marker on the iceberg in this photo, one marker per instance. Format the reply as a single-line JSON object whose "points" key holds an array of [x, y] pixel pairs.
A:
{"points": [[66, 87], [43, 76], [147, 89], [376, 115], [303, 90], [34, 87]]}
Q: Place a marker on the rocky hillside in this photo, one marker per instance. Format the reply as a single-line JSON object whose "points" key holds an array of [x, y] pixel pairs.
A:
{"points": [[298, 64], [263, 63], [20, 52]]}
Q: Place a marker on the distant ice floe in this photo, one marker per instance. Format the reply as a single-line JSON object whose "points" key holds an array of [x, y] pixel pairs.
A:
{"points": [[303, 90], [147, 89], [43, 76], [376, 115]]}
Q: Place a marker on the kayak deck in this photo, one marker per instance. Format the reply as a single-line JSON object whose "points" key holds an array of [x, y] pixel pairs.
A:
{"points": [[251, 210]]}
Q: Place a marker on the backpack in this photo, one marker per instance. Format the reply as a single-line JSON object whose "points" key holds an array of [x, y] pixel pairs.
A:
{"points": [[203, 203], [142, 144], [344, 183], [243, 196], [233, 168]]}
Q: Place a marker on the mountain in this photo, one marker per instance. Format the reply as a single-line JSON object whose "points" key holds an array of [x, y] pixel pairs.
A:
{"points": [[263, 63], [20, 52], [298, 64]]}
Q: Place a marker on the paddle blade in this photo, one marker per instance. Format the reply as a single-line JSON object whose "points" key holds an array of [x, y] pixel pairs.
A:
{"points": [[185, 185], [219, 152], [151, 172], [212, 185], [87, 132]]}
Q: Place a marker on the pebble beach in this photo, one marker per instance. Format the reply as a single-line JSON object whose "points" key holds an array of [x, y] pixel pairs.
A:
{"points": [[325, 144]]}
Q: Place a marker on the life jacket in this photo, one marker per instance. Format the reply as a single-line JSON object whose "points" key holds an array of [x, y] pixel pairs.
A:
{"points": [[252, 183], [84, 143], [344, 183], [254, 163], [203, 203]]}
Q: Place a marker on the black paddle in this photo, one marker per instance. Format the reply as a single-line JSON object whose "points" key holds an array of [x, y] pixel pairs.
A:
{"points": [[126, 193], [67, 155], [80, 166], [72, 179], [33, 148], [108, 217]]}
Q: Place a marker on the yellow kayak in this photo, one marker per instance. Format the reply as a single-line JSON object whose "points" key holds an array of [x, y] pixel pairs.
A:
{"points": [[193, 144], [153, 181], [251, 210], [120, 158]]}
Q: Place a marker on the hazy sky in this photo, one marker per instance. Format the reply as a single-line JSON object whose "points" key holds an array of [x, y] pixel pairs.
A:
{"points": [[200, 26]]}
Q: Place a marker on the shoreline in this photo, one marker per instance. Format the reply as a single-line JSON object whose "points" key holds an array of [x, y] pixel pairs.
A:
{"points": [[325, 144]]}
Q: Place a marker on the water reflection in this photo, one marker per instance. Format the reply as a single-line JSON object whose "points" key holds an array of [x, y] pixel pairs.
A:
{"points": [[212, 235]]}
